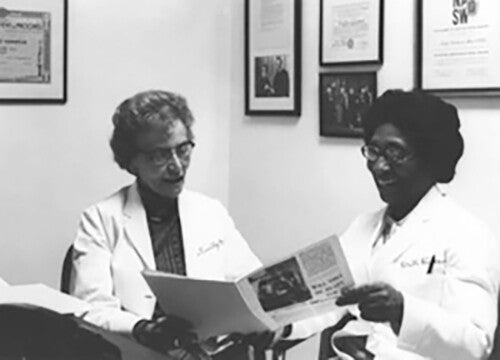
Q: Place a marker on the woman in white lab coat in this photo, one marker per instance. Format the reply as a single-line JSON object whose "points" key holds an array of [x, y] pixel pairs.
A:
{"points": [[426, 270], [153, 224]]}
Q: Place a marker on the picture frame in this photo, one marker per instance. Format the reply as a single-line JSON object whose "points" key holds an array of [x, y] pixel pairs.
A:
{"points": [[272, 57], [458, 49], [351, 32], [33, 54], [343, 100]]}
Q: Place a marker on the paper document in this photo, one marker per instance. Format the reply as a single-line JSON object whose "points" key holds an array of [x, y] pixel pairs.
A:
{"points": [[43, 296], [304, 284]]}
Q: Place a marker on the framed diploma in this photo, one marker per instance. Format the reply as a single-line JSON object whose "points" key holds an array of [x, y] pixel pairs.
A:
{"points": [[351, 32], [33, 51], [272, 57], [343, 100], [458, 47]]}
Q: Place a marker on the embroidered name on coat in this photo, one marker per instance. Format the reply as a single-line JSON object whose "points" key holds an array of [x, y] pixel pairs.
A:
{"points": [[214, 245]]}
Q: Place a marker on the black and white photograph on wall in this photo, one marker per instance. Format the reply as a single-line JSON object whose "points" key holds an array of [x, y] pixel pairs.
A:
{"points": [[271, 77], [344, 98], [280, 286], [272, 57]]}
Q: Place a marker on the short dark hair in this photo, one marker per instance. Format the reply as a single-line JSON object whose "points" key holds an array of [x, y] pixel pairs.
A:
{"points": [[140, 112], [431, 125]]}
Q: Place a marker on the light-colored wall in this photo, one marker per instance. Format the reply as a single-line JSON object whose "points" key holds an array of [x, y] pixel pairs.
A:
{"points": [[290, 187], [56, 159]]}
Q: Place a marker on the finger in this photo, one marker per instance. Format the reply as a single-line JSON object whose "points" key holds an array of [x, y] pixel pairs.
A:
{"points": [[377, 296], [355, 295], [376, 313], [346, 289]]}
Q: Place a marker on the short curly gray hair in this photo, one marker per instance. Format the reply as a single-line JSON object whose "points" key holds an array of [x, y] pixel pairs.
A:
{"points": [[140, 112]]}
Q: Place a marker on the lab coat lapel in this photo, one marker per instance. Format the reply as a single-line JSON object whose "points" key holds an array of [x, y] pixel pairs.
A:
{"points": [[199, 229], [405, 237], [136, 228], [188, 226], [367, 248]]}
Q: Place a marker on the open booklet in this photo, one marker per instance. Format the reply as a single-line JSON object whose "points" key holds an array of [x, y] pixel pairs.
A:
{"points": [[43, 296], [302, 285]]}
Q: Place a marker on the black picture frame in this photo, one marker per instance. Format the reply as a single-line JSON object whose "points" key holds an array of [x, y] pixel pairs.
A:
{"points": [[457, 47], [42, 76], [343, 99], [356, 32], [273, 60]]}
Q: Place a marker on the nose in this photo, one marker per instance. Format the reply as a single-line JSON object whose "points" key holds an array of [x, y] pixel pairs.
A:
{"points": [[380, 165], [174, 166]]}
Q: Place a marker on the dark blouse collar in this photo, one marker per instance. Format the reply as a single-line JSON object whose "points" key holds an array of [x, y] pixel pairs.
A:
{"points": [[155, 205]]}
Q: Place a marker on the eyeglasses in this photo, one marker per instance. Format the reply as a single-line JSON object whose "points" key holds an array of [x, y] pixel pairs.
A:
{"points": [[394, 154], [162, 156]]}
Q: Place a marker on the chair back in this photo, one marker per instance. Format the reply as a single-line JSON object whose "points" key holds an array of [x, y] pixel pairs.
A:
{"points": [[67, 267]]}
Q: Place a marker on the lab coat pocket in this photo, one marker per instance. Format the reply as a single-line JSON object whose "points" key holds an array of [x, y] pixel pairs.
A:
{"points": [[422, 277]]}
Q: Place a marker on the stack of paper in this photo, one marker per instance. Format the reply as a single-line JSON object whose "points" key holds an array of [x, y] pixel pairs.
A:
{"points": [[43, 296]]}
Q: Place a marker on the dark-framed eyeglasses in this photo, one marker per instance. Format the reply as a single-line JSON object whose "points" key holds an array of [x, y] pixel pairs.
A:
{"points": [[161, 156], [394, 154]]}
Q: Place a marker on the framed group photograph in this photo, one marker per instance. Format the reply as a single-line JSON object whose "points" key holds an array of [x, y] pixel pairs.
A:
{"points": [[351, 32], [272, 57], [344, 98], [33, 51], [458, 47]]}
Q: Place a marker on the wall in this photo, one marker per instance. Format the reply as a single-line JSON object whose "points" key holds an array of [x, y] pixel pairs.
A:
{"points": [[290, 187], [56, 160]]}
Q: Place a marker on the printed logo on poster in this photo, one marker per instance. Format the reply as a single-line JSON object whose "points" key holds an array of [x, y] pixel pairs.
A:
{"points": [[463, 10]]}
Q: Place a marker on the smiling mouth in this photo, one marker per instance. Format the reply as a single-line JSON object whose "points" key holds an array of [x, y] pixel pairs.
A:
{"points": [[385, 182]]}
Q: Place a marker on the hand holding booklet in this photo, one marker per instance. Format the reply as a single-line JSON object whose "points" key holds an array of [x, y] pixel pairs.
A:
{"points": [[302, 285]]}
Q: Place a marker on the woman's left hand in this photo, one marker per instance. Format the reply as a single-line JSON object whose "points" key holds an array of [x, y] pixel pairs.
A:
{"points": [[378, 302]]}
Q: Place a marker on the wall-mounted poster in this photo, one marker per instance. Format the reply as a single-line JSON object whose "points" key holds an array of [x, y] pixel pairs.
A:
{"points": [[459, 47], [272, 57], [33, 51], [343, 100], [351, 32]]}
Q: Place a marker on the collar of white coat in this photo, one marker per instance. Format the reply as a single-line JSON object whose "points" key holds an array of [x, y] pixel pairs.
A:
{"points": [[423, 212], [136, 223]]}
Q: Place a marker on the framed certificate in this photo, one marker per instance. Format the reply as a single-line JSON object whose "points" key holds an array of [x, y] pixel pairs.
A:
{"points": [[458, 46], [351, 32], [272, 57], [33, 51]]}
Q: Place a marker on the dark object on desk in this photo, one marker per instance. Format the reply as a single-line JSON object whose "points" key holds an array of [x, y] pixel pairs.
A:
{"points": [[35, 333]]}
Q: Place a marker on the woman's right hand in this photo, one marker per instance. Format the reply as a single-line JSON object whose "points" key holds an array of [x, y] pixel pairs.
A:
{"points": [[165, 333]]}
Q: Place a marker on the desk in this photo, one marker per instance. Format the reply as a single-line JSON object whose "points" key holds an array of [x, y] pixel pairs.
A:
{"points": [[130, 349], [33, 332]]}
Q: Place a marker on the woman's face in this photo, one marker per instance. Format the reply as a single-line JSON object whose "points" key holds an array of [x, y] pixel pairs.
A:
{"points": [[400, 175], [163, 158]]}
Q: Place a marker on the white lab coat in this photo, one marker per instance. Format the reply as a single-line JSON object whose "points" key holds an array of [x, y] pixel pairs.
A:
{"points": [[450, 313], [113, 246]]}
